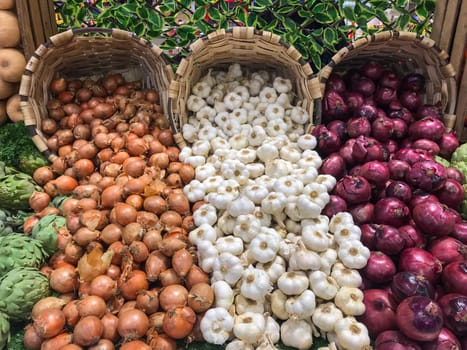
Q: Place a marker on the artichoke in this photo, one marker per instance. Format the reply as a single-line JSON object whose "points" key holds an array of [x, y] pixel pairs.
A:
{"points": [[15, 190], [18, 250], [47, 230], [12, 221], [4, 330], [442, 161], [58, 201], [20, 289], [28, 162]]}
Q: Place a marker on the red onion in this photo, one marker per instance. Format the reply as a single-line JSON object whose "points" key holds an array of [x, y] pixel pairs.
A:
{"points": [[411, 155], [334, 105], [376, 172], [451, 193], [412, 236], [379, 268], [388, 239], [427, 175], [460, 231], [455, 174], [391, 211], [454, 307], [391, 145], [380, 314], [382, 128], [354, 171], [389, 79], [328, 142], [445, 341], [456, 216], [399, 190], [362, 213], [429, 111], [363, 85], [433, 219], [400, 128], [407, 283], [358, 126], [384, 95], [427, 128], [368, 236], [413, 82], [398, 169], [394, 340], [346, 152], [448, 143], [419, 318], [354, 189], [333, 165], [367, 111], [419, 196], [335, 83], [455, 277], [350, 75], [366, 149], [401, 113], [372, 70], [421, 262], [429, 146], [354, 100], [448, 249], [335, 205], [410, 100], [338, 127]]}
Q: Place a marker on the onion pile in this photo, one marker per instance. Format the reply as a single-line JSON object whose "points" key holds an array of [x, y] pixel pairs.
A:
{"points": [[382, 144], [125, 270]]}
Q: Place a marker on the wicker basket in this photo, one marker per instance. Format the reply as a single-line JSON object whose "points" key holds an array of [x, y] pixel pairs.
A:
{"points": [[403, 52], [88, 53], [248, 47]]}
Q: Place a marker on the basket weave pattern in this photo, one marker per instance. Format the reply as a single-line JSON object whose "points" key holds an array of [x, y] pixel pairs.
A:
{"points": [[246, 46], [88, 53], [403, 52]]}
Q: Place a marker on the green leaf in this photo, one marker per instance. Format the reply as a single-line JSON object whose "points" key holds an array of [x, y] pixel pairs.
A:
{"points": [[309, 4], [140, 29], [264, 2], [204, 27], [403, 21], [304, 13], [199, 14], [316, 60], [186, 32], [142, 12], [349, 13], [321, 14], [271, 25], [401, 3], [284, 9], [171, 5], [289, 24], [381, 15], [422, 12], [332, 12], [252, 19], [185, 3], [156, 23], [330, 36], [214, 14], [430, 5], [241, 15]]}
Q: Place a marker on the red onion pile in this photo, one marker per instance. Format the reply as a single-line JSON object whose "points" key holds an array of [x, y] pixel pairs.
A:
{"points": [[381, 143]]}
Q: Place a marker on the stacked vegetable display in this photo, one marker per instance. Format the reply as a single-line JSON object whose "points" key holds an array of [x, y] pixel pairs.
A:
{"points": [[386, 149], [122, 265]]}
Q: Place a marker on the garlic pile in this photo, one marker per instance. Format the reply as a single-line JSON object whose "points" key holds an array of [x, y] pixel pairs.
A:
{"points": [[272, 256]]}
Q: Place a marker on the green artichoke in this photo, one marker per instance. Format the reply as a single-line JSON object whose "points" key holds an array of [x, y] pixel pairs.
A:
{"points": [[15, 190], [58, 201], [442, 161], [20, 289], [46, 231], [4, 330], [12, 221], [29, 162], [18, 250]]}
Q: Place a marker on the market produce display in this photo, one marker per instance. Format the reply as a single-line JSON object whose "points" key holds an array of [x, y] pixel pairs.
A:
{"points": [[386, 148]]}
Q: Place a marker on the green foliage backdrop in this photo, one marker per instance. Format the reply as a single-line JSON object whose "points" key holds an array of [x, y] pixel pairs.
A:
{"points": [[316, 28]]}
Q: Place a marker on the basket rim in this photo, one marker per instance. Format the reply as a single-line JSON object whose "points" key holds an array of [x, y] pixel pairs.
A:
{"points": [[64, 38]]}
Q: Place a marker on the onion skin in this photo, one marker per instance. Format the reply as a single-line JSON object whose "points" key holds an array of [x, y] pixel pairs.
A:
{"points": [[132, 324], [408, 283], [336, 204], [455, 277], [422, 262], [394, 340], [432, 219], [445, 341], [448, 249], [379, 313], [391, 211], [31, 339], [380, 268], [354, 189], [178, 322], [454, 308], [333, 165], [49, 323], [88, 331]]}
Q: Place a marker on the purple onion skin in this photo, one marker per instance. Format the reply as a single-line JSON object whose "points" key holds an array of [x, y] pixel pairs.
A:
{"points": [[390, 79], [362, 213], [335, 83], [407, 283], [412, 236], [426, 175], [419, 318], [328, 142], [382, 128], [391, 211], [380, 268], [333, 165], [335, 205], [368, 237], [454, 307], [402, 113], [427, 110], [388, 240], [455, 174], [354, 189], [354, 100], [394, 340], [426, 128], [413, 82], [454, 277], [380, 312], [398, 169], [392, 146], [432, 219], [372, 70], [351, 75], [431, 147], [411, 155], [451, 193], [384, 95], [355, 170], [334, 106], [445, 341], [448, 143], [399, 189], [366, 149], [346, 152], [411, 100], [358, 126], [338, 127], [460, 232], [422, 262], [367, 111], [376, 172], [364, 86], [400, 128], [419, 196]]}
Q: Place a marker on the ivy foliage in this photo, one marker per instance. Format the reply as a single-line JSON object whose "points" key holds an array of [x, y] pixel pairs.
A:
{"points": [[316, 28]]}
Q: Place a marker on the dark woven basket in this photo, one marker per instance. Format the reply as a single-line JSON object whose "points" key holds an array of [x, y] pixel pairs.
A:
{"points": [[248, 47], [88, 53], [403, 52]]}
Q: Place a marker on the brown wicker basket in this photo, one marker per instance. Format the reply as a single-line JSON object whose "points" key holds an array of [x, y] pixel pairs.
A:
{"points": [[403, 52], [88, 53], [246, 46]]}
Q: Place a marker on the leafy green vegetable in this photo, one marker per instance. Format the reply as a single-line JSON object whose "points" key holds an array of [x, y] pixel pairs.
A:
{"points": [[17, 149]]}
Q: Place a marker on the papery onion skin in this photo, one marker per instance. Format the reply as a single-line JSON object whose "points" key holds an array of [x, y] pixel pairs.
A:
{"points": [[354, 189], [460, 231], [362, 213], [454, 307], [375, 172], [391, 211], [407, 283], [427, 175], [433, 219], [400, 190], [333, 165], [49, 322], [419, 318], [380, 314], [455, 277], [448, 249], [445, 341], [380, 268], [427, 128], [394, 340], [88, 331], [132, 324], [422, 262], [178, 322], [335, 205], [451, 193], [412, 236]]}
